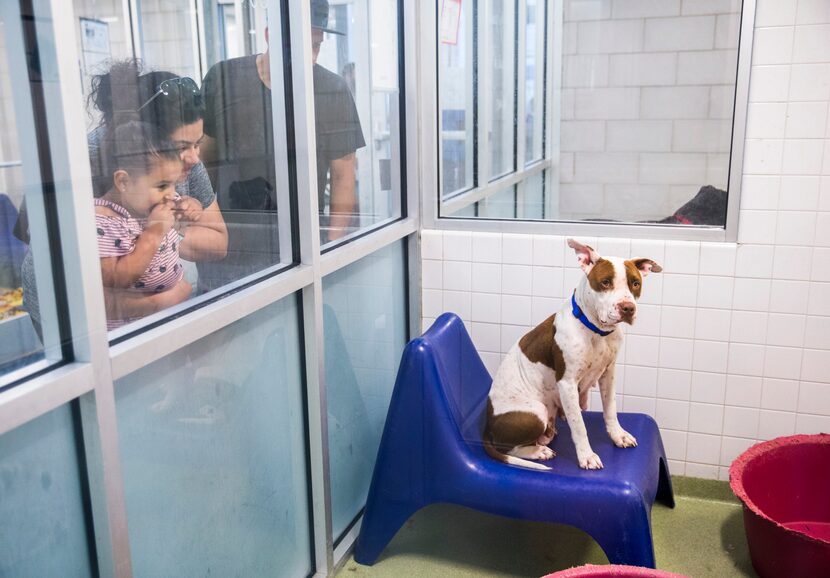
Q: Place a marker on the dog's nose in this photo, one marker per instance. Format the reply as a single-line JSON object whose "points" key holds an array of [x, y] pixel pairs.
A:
{"points": [[627, 308]]}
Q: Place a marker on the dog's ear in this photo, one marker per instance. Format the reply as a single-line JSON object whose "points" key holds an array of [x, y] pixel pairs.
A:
{"points": [[646, 266], [585, 254]]}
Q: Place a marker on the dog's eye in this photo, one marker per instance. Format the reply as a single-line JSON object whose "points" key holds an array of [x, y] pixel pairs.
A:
{"points": [[636, 284], [607, 283]]}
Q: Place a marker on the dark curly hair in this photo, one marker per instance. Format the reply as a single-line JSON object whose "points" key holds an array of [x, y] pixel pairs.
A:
{"points": [[125, 88]]}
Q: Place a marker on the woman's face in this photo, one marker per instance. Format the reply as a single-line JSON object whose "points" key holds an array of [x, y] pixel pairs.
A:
{"points": [[188, 139]]}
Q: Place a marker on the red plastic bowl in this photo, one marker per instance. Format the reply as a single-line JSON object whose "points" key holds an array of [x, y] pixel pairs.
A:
{"points": [[612, 571], [784, 485]]}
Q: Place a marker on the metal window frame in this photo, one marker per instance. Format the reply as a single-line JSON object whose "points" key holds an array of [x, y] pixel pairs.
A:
{"points": [[434, 208], [91, 377]]}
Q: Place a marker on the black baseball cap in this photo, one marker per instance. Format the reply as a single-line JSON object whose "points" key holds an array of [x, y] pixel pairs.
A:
{"points": [[320, 17]]}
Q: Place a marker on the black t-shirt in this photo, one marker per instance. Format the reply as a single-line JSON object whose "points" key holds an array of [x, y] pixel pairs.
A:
{"points": [[238, 117], [337, 127]]}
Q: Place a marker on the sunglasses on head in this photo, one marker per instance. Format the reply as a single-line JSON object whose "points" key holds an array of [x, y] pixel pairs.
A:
{"points": [[178, 87]]}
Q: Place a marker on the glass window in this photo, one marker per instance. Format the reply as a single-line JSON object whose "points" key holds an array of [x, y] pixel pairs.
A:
{"points": [[458, 106], [355, 48], [531, 203], [214, 454], [42, 505], [647, 115], [192, 188], [27, 204], [502, 89], [364, 317], [167, 32], [642, 129], [535, 66]]}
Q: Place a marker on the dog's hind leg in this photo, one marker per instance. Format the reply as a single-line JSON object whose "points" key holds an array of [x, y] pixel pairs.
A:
{"points": [[550, 433], [534, 452]]}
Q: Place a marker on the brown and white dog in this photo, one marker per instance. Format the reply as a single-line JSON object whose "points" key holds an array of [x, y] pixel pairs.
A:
{"points": [[551, 368]]}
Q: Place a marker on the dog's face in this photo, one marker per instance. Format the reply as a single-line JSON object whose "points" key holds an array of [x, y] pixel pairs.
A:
{"points": [[613, 284]]}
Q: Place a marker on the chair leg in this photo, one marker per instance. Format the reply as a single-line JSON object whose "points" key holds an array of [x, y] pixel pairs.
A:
{"points": [[629, 542], [381, 522], [665, 493]]}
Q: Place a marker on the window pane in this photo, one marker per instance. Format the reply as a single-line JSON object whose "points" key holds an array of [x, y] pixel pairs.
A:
{"points": [[502, 89], [213, 449], [358, 117], [26, 200], [645, 111], [501, 205], [212, 209], [535, 60], [43, 530], [533, 197], [457, 103], [364, 314], [647, 115], [167, 35]]}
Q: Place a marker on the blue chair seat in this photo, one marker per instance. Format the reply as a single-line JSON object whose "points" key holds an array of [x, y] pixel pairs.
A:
{"points": [[431, 453]]}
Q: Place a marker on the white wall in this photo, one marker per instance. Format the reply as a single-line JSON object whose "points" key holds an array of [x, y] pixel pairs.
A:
{"points": [[647, 94], [732, 344]]}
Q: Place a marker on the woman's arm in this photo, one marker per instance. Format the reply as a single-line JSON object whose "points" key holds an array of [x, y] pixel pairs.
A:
{"points": [[207, 238], [127, 304]]}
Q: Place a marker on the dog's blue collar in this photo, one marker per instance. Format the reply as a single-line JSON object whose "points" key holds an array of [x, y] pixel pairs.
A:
{"points": [[579, 314]]}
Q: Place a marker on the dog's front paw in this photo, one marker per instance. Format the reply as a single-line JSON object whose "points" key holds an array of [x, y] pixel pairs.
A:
{"points": [[590, 462], [623, 439]]}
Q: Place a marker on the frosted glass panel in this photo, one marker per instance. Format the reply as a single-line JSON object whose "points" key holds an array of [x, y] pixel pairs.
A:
{"points": [[42, 524], [364, 316], [213, 448]]}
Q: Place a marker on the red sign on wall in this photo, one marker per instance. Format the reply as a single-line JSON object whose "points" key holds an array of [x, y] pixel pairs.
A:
{"points": [[450, 21]]}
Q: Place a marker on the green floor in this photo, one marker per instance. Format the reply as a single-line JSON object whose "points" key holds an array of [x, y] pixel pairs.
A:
{"points": [[703, 536]]}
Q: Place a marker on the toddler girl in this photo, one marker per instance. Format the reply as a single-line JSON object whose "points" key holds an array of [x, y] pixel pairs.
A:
{"points": [[136, 223]]}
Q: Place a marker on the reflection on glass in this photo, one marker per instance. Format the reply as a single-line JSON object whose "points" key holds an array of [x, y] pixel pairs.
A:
{"points": [[501, 205], [213, 450], [456, 96], [217, 224], [502, 90], [535, 60], [154, 203], [25, 252], [648, 135], [167, 35], [356, 96], [364, 314], [533, 197], [646, 104], [44, 531]]}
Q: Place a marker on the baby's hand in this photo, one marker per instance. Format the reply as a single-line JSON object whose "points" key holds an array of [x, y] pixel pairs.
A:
{"points": [[188, 209], [162, 217]]}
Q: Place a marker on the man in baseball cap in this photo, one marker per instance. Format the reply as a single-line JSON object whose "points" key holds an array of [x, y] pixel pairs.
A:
{"points": [[320, 17], [338, 132], [238, 152]]}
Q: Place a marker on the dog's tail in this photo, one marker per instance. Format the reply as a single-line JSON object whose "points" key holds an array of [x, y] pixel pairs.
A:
{"points": [[504, 458]]}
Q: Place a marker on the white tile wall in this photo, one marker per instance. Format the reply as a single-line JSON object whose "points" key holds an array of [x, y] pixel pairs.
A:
{"points": [[726, 354], [732, 343]]}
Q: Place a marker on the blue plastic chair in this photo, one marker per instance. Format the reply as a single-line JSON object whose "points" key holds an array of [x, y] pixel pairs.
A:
{"points": [[431, 453]]}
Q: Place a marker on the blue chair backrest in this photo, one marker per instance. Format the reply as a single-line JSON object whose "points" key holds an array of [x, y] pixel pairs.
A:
{"points": [[463, 377]]}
